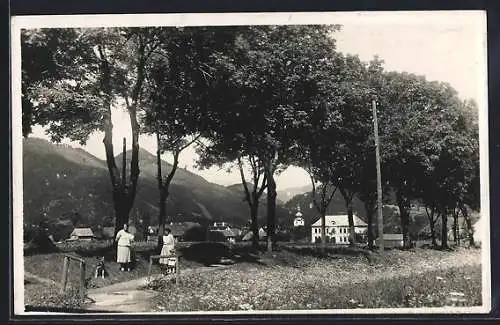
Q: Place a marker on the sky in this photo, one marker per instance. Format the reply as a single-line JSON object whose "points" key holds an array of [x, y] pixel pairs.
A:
{"points": [[447, 47]]}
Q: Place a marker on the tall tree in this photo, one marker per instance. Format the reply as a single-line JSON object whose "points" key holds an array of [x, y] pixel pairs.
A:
{"points": [[89, 70], [175, 89], [404, 120], [354, 133], [270, 73]]}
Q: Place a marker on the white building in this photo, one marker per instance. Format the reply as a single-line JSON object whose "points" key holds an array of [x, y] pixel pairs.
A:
{"points": [[337, 229], [298, 221]]}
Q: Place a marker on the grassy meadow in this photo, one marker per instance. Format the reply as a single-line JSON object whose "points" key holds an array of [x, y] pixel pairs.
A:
{"points": [[290, 278]]}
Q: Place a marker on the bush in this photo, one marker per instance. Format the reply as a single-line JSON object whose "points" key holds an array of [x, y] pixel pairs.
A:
{"points": [[206, 253]]}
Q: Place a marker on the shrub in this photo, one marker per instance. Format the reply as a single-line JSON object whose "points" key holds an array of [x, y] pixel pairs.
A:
{"points": [[206, 253]]}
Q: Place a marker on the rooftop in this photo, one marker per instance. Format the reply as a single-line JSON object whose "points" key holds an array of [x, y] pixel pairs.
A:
{"points": [[341, 220]]}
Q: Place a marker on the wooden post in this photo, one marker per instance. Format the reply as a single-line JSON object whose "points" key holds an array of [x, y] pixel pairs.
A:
{"points": [[64, 278], [380, 218], [82, 280]]}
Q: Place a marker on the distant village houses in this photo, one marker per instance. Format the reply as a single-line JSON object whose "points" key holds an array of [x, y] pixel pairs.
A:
{"points": [[82, 233], [222, 232]]}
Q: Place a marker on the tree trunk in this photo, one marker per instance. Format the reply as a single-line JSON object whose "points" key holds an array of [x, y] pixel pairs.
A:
{"points": [[444, 230], [122, 209], [350, 217], [431, 216], [162, 217], [468, 222], [323, 231], [370, 210], [348, 204], [114, 173], [432, 225], [403, 205], [456, 230], [271, 210], [254, 210]]}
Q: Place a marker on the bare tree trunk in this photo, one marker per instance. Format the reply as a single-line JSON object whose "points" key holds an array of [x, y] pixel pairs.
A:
{"points": [[432, 224], [323, 231], [456, 233], [431, 216], [121, 202], [271, 210], [163, 186], [370, 210], [468, 222], [350, 216], [253, 197], [404, 205], [162, 217], [444, 230], [254, 210]]}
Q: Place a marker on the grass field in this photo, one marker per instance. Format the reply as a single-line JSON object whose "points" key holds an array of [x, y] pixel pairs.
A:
{"points": [[291, 278], [419, 278], [49, 268]]}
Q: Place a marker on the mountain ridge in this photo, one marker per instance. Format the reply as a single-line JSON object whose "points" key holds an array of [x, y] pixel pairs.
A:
{"points": [[60, 179]]}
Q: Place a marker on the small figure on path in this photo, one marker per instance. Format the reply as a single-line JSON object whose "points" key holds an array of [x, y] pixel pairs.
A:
{"points": [[168, 248], [124, 239]]}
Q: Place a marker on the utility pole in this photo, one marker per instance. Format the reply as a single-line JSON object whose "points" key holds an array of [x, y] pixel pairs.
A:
{"points": [[380, 218]]}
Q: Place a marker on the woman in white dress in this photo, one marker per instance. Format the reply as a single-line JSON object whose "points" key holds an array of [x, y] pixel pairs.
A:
{"points": [[124, 240], [168, 246]]}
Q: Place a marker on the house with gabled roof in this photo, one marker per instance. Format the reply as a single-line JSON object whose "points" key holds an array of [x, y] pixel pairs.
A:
{"points": [[337, 229], [82, 233]]}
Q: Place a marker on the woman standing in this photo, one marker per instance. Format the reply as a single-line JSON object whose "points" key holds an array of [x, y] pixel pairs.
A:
{"points": [[168, 245], [124, 239]]}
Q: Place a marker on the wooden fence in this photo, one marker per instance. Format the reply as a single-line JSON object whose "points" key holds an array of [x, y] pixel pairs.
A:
{"points": [[64, 280], [157, 257]]}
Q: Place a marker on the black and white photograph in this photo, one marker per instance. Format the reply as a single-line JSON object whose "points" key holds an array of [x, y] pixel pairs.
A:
{"points": [[251, 163]]}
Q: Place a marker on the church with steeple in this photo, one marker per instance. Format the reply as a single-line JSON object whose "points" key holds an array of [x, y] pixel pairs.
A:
{"points": [[298, 221]]}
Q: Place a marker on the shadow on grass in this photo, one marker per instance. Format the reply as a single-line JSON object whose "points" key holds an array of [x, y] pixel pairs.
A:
{"points": [[329, 252], [209, 253]]}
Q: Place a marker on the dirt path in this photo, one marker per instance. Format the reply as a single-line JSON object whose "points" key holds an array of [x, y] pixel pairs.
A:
{"points": [[128, 296]]}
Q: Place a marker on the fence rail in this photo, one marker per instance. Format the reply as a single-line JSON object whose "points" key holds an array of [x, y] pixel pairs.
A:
{"points": [[157, 257], [64, 280]]}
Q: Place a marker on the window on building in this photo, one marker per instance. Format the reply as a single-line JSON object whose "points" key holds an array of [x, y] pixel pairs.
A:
{"points": [[333, 230]]}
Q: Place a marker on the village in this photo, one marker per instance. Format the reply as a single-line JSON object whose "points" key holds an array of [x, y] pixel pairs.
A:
{"points": [[337, 232]]}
